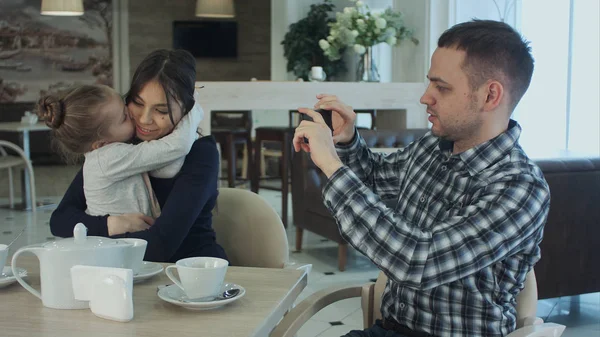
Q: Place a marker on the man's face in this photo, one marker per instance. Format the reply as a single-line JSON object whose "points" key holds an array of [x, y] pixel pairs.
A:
{"points": [[451, 103]]}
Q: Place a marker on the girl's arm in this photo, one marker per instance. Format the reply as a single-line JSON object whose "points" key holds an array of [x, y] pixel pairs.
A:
{"points": [[123, 160]]}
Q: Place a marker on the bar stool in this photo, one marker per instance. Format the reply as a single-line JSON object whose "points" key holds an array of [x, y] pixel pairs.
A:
{"points": [[231, 128], [284, 136]]}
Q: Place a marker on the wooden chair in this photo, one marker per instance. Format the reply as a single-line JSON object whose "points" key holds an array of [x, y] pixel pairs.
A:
{"points": [[527, 324], [249, 230]]}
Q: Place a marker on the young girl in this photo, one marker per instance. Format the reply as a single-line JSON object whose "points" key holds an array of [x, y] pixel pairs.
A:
{"points": [[93, 120]]}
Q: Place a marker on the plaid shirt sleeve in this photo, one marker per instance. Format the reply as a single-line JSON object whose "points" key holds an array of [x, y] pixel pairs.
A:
{"points": [[506, 213], [379, 171]]}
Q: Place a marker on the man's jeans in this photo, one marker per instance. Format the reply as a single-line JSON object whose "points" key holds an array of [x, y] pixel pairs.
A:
{"points": [[375, 331]]}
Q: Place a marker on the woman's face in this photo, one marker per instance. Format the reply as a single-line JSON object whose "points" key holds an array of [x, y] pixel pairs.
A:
{"points": [[150, 113]]}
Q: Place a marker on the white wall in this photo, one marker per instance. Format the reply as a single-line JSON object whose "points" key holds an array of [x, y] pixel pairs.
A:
{"points": [[409, 62], [431, 18], [465, 10]]}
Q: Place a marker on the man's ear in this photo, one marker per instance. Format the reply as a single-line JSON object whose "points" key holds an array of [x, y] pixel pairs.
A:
{"points": [[494, 95], [98, 144]]}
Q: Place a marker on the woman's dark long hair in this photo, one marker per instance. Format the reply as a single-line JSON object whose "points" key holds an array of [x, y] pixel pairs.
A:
{"points": [[175, 71]]}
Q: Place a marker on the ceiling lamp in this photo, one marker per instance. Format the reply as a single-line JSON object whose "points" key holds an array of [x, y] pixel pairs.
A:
{"points": [[62, 7], [215, 9]]}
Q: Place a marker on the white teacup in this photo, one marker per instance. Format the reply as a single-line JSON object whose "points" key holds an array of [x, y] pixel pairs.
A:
{"points": [[201, 277], [3, 256], [135, 255]]}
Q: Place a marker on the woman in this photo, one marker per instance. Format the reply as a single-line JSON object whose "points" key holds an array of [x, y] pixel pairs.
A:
{"points": [[162, 92]]}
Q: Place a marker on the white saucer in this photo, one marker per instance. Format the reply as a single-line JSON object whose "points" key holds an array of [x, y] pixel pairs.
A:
{"points": [[173, 294], [147, 270], [7, 278]]}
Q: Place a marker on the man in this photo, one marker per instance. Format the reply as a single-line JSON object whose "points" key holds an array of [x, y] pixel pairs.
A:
{"points": [[468, 207]]}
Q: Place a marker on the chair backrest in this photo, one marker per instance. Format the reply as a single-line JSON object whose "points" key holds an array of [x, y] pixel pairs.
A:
{"points": [[526, 300], [231, 120], [391, 138], [569, 263], [249, 229]]}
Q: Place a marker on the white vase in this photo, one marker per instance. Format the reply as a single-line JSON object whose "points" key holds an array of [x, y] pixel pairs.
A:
{"points": [[366, 70]]}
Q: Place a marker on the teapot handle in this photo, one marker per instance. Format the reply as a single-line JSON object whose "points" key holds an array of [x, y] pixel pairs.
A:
{"points": [[16, 272]]}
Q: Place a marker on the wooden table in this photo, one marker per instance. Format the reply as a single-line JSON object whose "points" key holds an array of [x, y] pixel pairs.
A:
{"points": [[23, 129], [270, 293]]}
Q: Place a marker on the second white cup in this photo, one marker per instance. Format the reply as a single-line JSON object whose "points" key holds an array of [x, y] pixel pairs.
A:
{"points": [[135, 255], [200, 278]]}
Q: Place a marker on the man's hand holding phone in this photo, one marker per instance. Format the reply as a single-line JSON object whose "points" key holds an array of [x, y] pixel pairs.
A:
{"points": [[325, 114], [343, 117], [316, 137]]}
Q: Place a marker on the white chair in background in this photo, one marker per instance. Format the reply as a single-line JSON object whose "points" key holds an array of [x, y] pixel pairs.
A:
{"points": [[9, 162]]}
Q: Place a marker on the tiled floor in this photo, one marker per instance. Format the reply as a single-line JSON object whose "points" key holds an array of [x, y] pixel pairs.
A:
{"points": [[582, 319]]}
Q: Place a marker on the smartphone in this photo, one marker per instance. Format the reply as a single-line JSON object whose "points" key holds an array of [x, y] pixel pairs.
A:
{"points": [[326, 114]]}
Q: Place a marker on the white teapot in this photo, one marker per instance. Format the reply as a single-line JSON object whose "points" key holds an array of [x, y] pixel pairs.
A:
{"points": [[57, 258]]}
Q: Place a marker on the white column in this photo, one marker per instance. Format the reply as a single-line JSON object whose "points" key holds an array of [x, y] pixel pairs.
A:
{"points": [[120, 39], [279, 27]]}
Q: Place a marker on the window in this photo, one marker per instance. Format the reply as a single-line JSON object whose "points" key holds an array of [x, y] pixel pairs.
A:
{"points": [[560, 113]]}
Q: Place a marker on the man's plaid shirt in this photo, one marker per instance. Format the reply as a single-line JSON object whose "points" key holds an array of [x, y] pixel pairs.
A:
{"points": [[455, 234]]}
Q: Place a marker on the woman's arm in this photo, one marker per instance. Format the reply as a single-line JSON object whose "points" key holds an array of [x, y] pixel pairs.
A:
{"points": [[193, 188], [71, 211]]}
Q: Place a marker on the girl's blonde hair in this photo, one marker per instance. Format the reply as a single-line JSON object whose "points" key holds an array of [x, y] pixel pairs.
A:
{"points": [[75, 118]]}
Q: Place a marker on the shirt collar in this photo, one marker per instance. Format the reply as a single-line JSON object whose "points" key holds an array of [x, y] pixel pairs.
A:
{"points": [[479, 157]]}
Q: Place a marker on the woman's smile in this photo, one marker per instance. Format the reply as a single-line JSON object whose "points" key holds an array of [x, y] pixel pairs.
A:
{"points": [[143, 131]]}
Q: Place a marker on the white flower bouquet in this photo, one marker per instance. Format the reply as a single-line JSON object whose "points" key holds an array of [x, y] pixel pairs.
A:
{"points": [[359, 28]]}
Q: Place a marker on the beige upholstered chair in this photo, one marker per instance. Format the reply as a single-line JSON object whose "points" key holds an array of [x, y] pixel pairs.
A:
{"points": [[527, 324], [250, 230], [9, 162]]}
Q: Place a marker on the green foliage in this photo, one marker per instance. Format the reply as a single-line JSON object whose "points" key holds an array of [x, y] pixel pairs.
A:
{"points": [[301, 43], [359, 28]]}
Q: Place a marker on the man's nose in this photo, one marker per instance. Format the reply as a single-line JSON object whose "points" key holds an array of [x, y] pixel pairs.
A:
{"points": [[427, 99]]}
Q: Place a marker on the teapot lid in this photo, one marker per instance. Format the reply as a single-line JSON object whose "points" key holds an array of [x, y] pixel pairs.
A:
{"points": [[80, 241]]}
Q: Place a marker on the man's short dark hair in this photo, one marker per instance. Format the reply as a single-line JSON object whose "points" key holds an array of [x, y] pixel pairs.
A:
{"points": [[494, 50]]}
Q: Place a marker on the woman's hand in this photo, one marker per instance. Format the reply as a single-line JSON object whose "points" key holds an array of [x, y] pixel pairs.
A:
{"points": [[343, 119], [132, 222]]}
